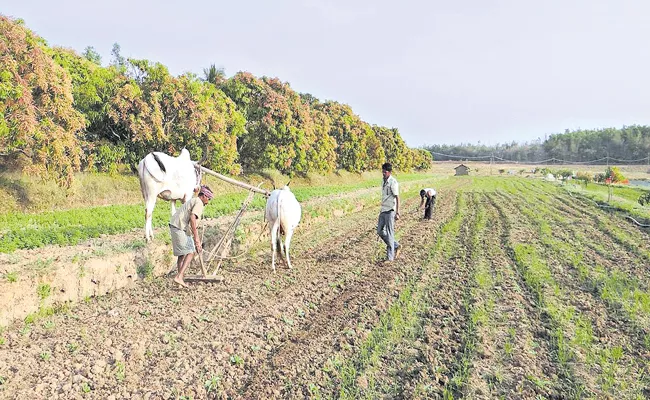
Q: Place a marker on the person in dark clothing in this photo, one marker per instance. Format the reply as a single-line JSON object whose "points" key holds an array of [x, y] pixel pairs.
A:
{"points": [[428, 195]]}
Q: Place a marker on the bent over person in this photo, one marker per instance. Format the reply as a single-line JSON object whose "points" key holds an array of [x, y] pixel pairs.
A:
{"points": [[389, 212], [183, 227], [430, 196]]}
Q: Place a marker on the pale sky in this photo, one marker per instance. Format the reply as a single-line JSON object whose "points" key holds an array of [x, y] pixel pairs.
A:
{"points": [[439, 71]]}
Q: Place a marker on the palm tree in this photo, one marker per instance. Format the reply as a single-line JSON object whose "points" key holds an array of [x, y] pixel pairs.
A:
{"points": [[214, 75]]}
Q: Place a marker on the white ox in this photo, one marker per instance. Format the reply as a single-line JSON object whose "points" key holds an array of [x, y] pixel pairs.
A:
{"points": [[170, 178], [283, 213]]}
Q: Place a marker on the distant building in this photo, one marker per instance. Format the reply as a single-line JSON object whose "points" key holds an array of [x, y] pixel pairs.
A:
{"points": [[462, 170]]}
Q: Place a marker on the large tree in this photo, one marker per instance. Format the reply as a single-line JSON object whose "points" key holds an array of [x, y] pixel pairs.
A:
{"points": [[357, 147], [156, 111], [214, 75], [39, 127], [394, 147], [282, 132]]}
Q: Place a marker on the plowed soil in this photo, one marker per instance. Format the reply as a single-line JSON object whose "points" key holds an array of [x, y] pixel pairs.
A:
{"points": [[453, 316]]}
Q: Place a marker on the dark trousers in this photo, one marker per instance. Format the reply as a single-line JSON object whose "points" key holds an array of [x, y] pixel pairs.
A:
{"points": [[428, 207]]}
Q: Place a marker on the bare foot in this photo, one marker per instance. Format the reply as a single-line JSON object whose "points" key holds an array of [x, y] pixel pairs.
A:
{"points": [[181, 282]]}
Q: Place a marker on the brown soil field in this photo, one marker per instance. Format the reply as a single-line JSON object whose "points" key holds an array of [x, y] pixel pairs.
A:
{"points": [[514, 290]]}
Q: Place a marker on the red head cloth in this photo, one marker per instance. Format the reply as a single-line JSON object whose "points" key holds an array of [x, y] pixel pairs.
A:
{"points": [[206, 192]]}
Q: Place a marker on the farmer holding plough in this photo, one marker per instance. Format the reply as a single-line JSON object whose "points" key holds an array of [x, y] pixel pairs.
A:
{"points": [[183, 227]]}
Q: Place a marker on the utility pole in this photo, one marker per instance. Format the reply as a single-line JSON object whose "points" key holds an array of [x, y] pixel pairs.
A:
{"points": [[491, 157]]}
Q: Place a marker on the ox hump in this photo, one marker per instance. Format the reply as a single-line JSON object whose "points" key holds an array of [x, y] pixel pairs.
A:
{"points": [[185, 154]]}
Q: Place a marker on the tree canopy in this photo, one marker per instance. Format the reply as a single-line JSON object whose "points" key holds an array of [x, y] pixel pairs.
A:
{"points": [[61, 112], [39, 127], [628, 144]]}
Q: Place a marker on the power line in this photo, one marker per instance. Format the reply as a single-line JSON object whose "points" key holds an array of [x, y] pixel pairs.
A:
{"points": [[464, 157], [547, 161]]}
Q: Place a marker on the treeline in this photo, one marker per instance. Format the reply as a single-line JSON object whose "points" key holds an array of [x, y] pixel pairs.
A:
{"points": [[61, 112], [627, 145]]}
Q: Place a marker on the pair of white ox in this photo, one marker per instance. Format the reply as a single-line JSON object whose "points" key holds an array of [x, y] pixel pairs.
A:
{"points": [[178, 178]]}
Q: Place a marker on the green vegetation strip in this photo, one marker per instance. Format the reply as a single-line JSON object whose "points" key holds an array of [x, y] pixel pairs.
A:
{"points": [[403, 319], [617, 288], [29, 231], [572, 331], [624, 198], [477, 314]]}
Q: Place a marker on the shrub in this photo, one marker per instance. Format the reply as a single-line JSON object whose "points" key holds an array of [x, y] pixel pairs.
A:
{"points": [[584, 177], [614, 175], [645, 199]]}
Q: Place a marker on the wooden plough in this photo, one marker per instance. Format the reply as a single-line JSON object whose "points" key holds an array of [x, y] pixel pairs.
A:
{"points": [[221, 249]]}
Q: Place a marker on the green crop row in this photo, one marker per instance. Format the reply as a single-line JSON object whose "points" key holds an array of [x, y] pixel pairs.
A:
{"points": [[400, 322], [69, 227], [573, 332]]}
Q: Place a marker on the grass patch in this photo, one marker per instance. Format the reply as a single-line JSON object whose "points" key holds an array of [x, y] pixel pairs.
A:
{"points": [[70, 227], [44, 290], [11, 277], [477, 314]]}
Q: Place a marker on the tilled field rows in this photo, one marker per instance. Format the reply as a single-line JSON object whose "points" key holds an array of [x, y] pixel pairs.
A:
{"points": [[515, 290], [158, 342], [532, 309], [595, 308]]}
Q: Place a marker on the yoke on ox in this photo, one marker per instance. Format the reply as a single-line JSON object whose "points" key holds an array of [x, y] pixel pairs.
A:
{"points": [[169, 178], [177, 178]]}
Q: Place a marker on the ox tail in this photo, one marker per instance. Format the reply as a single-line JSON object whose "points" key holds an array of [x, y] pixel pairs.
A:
{"points": [[279, 222], [141, 170], [280, 209], [160, 164]]}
